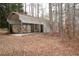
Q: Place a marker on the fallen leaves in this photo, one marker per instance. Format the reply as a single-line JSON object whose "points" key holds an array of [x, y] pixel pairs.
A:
{"points": [[37, 44]]}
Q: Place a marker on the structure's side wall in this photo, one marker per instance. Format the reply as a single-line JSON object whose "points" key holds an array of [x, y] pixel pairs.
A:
{"points": [[28, 28], [47, 27]]}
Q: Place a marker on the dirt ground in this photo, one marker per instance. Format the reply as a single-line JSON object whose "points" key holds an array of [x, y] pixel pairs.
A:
{"points": [[37, 45]]}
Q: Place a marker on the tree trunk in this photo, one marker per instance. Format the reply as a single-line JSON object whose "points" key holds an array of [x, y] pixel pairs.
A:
{"points": [[50, 16], [37, 10], [73, 19], [60, 19], [67, 21], [32, 9], [25, 9]]}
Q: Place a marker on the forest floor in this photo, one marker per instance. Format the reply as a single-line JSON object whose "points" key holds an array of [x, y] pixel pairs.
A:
{"points": [[37, 44]]}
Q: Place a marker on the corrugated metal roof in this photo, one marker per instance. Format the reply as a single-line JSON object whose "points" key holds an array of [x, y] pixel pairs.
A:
{"points": [[28, 19]]}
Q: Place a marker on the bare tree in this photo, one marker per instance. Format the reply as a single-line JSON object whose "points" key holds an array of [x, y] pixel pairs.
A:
{"points": [[25, 9], [42, 12], [55, 17], [68, 25], [50, 16], [32, 9], [73, 19], [37, 10], [29, 8], [60, 19]]}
